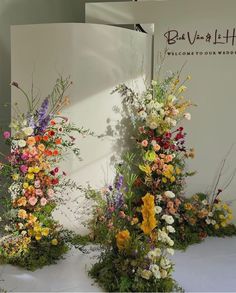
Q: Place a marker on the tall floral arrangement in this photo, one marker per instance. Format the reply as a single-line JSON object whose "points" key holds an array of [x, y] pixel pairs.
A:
{"points": [[38, 140], [135, 218]]}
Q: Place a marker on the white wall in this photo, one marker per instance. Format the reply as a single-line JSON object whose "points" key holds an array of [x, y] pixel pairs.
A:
{"points": [[211, 131], [98, 58]]}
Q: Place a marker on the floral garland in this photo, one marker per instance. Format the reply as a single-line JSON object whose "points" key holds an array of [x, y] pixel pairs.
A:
{"points": [[38, 142]]}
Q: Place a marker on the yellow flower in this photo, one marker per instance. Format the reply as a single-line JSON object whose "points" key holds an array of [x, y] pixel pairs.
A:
{"points": [[30, 170], [221, 216], [15, 176], [134, 221], [177, 171], [181, 89], [223, 224], [37, 228], [188, 206], [172, 179], [21, 201], [38, 236], [146, 169], [230, 217], [36, 169], [164, 180], [122, 239], [30, 176], [216, 226], [54, 241], [148, 213], [22, 214], [45, 231], [25, 185]]}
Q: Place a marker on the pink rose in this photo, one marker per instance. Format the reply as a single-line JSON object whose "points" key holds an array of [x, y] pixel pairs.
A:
{"points": [[24, 157], [144, 143], [43, 201], [23, 168], [50, 192], [39, 192], [32, 200], [37, 184], [6, 134]]}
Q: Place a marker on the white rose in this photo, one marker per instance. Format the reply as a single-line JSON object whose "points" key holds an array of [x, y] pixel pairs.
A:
{"points": [[164, 274], [170, 251], [151, 255], [23, 233], [213, 222], [146, 274], [204, 202], [210, 214], [157, 252], [156, 271], [170, 229], [153, 142], [169, 194], [158, 197], [187, 116], [171, 242], [169, 219], [21, 143], [165, 263], [153, 125], [158, 209], [208, 221], [28, 130]]}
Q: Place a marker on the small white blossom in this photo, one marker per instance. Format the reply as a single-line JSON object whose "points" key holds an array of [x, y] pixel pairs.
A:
{"points": [[158, 209], [156, 271], [170, 229]]}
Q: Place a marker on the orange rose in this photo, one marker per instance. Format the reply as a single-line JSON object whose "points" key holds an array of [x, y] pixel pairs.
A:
{"points": [[31, 140], [41, 147], [58, 141], [55, 153], [45, 138]]}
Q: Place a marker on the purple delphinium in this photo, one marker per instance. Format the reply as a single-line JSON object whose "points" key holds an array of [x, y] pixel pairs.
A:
{"points": [[43, 117], [119, 182]]}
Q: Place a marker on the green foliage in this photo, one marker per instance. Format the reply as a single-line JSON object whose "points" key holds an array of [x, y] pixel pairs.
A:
{"points": [[40, 253], [112, 274]]}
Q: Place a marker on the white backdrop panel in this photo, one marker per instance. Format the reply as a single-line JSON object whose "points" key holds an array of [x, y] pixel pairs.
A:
{"points": [[97, 57]]}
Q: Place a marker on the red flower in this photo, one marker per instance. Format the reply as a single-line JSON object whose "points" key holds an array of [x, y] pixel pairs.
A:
{"points": [[55, 181]]}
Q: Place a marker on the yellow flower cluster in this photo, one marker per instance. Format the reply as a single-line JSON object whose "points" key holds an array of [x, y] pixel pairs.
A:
{"points": [[122, 239], [148, 213]]}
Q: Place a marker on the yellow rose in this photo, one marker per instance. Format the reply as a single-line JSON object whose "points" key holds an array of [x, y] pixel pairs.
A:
{"points": [[45, 231], [30, 176], [25, 185], [172, 179], [54, 241], [22, 214], [36, 169], [38, 236], [30, 169], [15, 176], [223, 224], [216, 226]]}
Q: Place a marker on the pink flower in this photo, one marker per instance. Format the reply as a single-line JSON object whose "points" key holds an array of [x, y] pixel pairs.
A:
{"points": [[43, 201], [24, 157], [122, 214], [39, 192], [6, 134], [50, 192], [37, 184], [23, 168], [111, 209], [144, 143], [33, 200]]}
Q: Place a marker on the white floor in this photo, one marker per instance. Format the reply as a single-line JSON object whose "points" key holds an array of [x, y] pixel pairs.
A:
{"points": [[206, 267]]}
